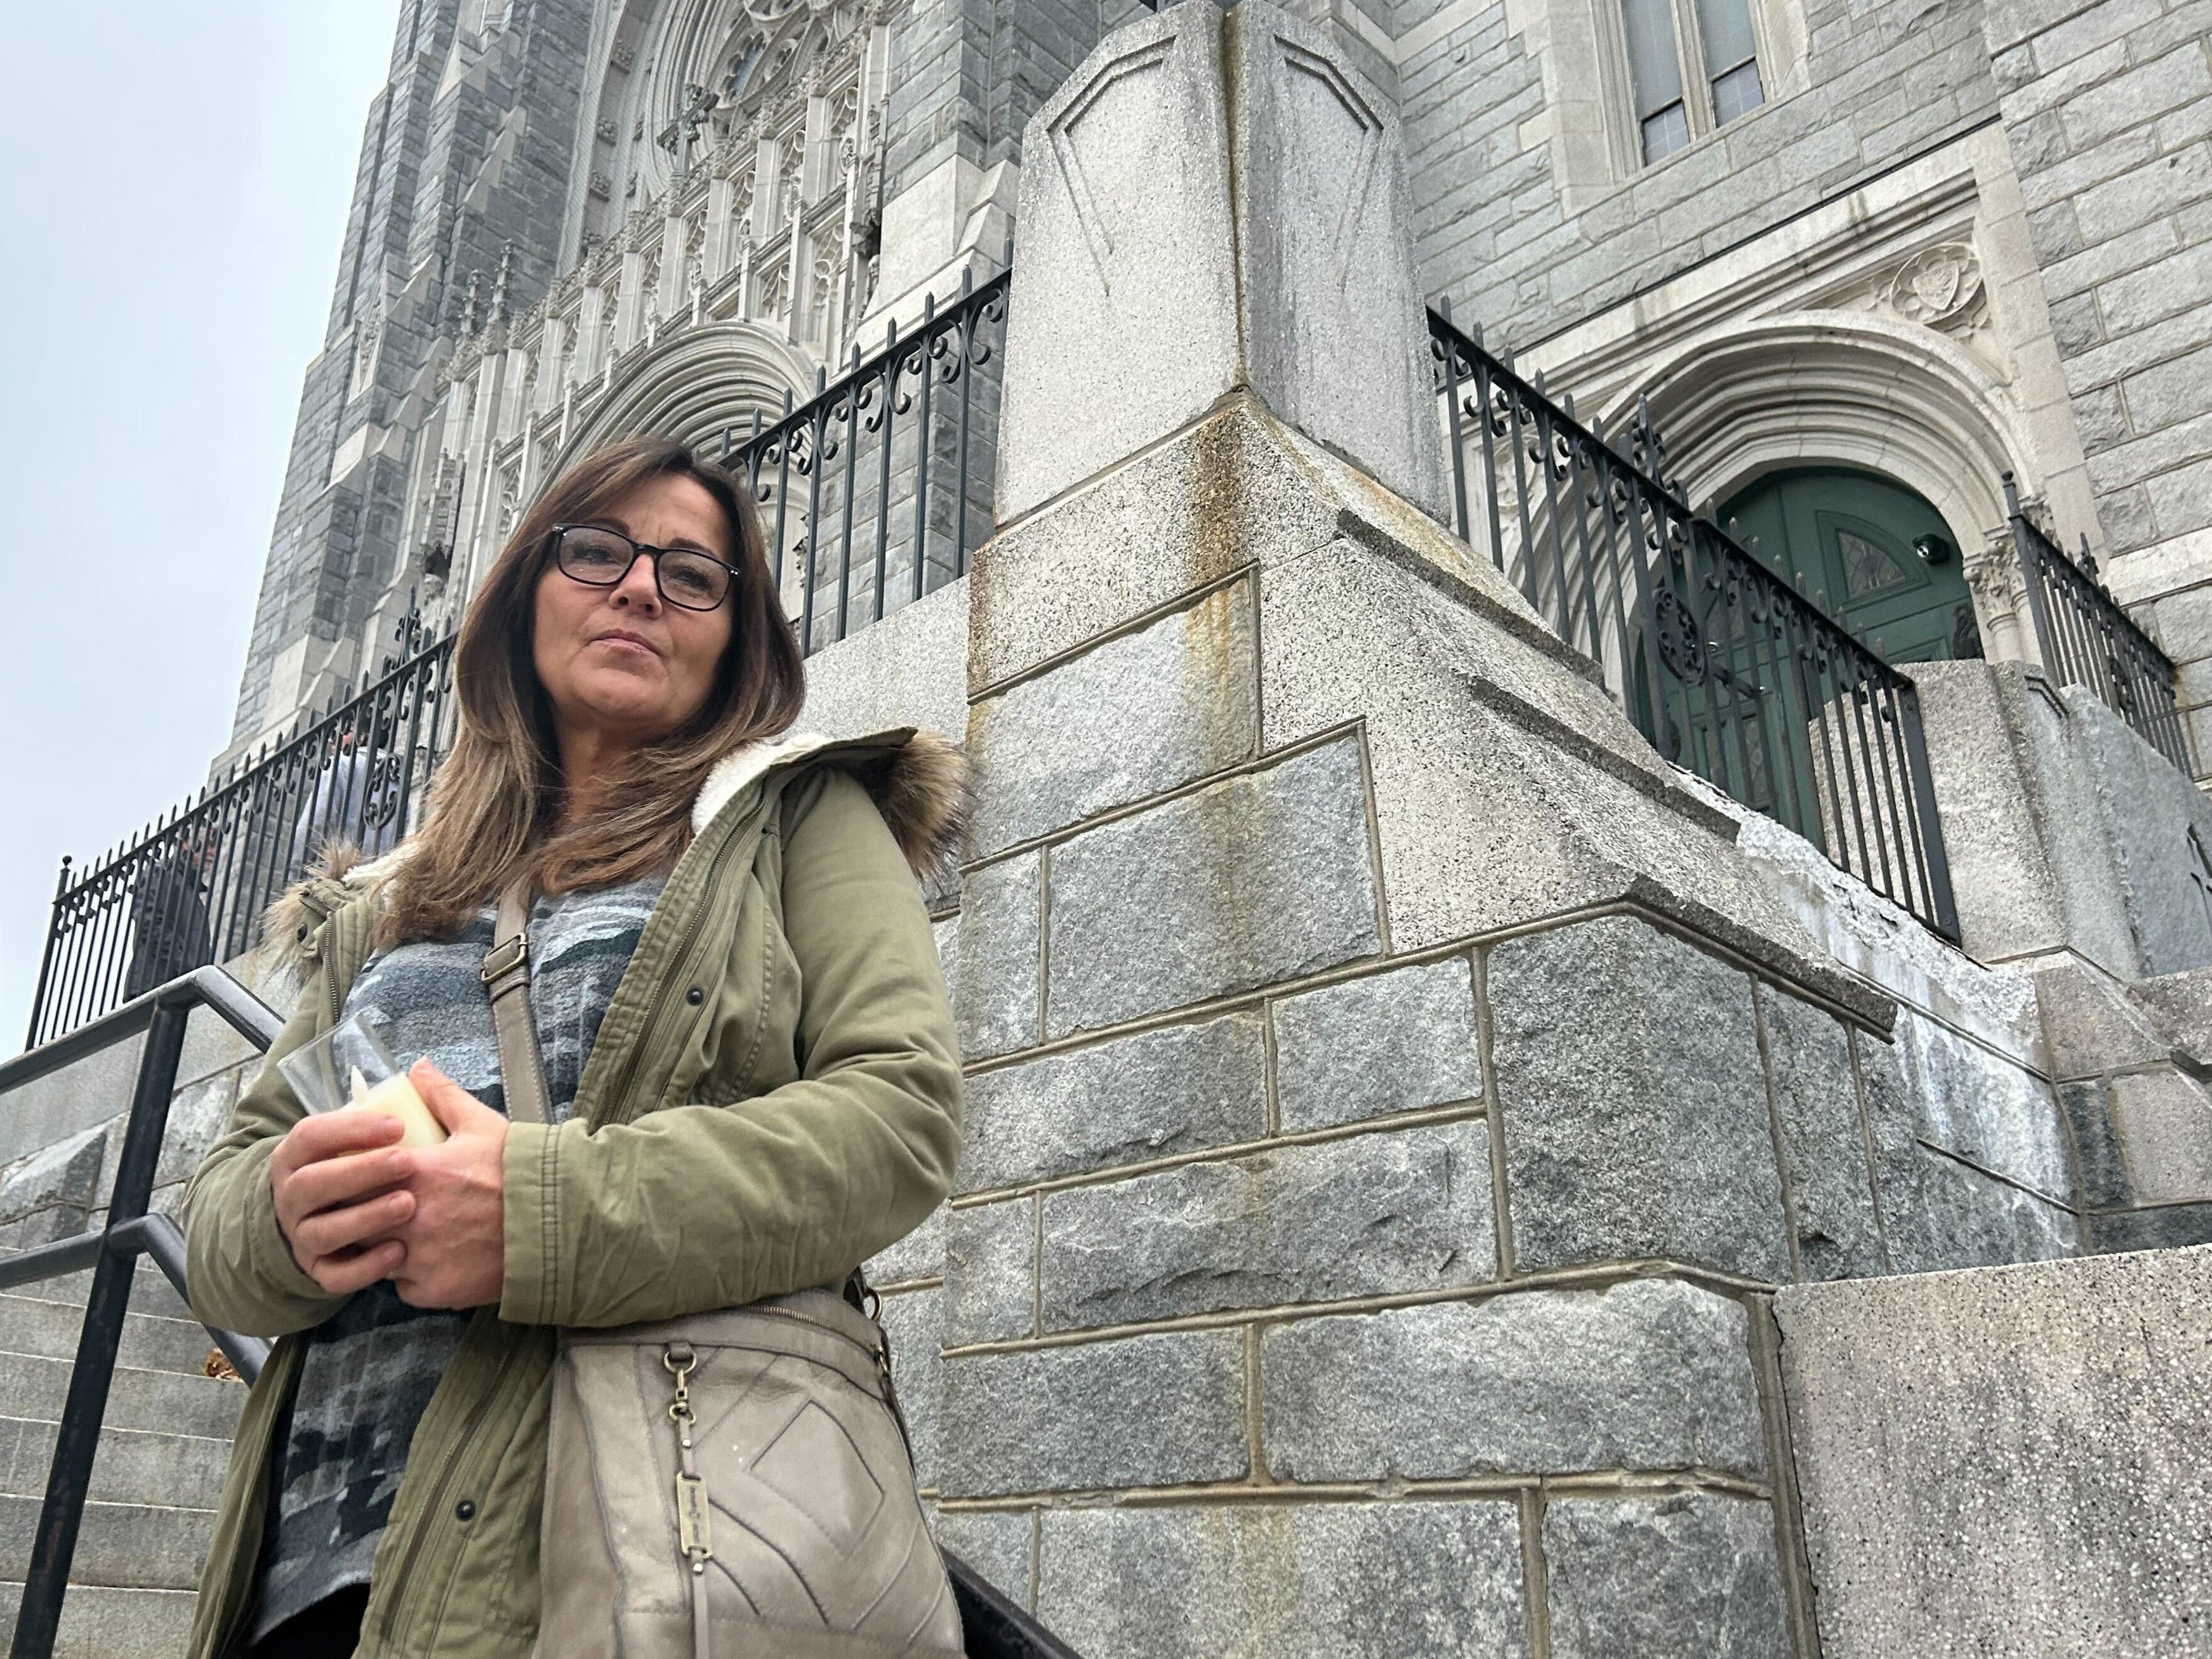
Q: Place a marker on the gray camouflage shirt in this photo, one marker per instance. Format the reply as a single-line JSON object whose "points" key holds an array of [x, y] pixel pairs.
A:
{"points": [[372, 1366]]}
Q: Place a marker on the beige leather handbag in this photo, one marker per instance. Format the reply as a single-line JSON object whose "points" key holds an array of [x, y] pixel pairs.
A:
{"points": [[734, 1485]]}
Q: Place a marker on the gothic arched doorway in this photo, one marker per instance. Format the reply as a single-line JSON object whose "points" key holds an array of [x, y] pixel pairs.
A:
{"points": [[1869, 551]]}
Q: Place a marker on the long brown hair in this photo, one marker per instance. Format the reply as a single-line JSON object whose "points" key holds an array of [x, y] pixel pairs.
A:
{"points": [[495, 807]]}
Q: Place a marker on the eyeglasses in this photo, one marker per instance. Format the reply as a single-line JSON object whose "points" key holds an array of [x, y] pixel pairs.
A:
{"points": [[683, 577]]}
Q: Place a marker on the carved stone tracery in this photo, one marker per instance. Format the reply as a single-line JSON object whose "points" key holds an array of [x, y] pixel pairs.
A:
{"points": [[734, 217]]}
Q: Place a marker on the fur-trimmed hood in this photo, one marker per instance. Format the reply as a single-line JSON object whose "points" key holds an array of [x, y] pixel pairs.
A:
{"points": [[918, 779]]}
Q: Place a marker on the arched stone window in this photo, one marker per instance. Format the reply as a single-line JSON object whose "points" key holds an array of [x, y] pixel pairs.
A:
{"points": [[696, 385]]}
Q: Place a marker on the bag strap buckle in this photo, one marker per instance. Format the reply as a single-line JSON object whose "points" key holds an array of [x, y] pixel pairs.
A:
{"points": [[504, 957]]}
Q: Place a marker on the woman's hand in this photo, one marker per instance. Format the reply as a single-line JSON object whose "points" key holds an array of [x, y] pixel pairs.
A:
{"points": [[337, 1179], [455, 1239]]}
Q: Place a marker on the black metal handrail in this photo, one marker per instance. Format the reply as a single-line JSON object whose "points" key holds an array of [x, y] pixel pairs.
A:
{"points": [[111, 1253], [2087, 639], [191, 887], [881, 483], [993, 1626], [1726, 668]]}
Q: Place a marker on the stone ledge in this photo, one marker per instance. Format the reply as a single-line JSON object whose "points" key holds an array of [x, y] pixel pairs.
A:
{"points": [[2007, 1450]]}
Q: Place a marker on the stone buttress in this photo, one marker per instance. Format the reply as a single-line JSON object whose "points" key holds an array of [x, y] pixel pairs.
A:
{"points": [[1391, 1094]]}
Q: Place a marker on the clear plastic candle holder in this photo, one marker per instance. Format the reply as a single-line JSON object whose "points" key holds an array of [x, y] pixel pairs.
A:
{"points": [[351, 1065]]}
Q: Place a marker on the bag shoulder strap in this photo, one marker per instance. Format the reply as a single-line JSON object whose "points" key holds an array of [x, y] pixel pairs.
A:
{"points": [[505, 976]]}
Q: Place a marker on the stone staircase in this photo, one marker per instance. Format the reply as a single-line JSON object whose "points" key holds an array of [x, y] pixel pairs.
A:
{"points": [[155, 1483]]}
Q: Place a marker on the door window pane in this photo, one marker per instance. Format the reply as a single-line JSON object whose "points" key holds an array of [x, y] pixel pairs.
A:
{"points": [[1867, 568]]}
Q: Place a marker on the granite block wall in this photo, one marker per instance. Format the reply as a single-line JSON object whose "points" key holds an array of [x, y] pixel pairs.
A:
{"points": [[1371, 1301], [1528, 234], [2108, 110], [1209, 1263], [1283, 1265]]}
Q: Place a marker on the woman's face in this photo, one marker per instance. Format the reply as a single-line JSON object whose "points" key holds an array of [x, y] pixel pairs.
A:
{"points": [[620, 664]]}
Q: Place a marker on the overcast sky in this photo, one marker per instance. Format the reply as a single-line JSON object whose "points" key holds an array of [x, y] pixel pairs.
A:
{"points": [[173, 186]]}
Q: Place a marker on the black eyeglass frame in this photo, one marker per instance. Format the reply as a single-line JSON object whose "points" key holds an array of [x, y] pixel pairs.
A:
{"points": [[638, 549]]}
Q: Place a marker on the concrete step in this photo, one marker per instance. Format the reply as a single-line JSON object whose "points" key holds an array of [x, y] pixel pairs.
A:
{"points": [[132, 1465], [100, 1621], [35, 1386], [36, 1325], [156, 1477], [126, 1546]]}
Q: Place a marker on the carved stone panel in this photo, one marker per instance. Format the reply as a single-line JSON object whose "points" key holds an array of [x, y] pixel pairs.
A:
{"points": [[1126, 327], [1333, 317], [1940, 287], [1148, 289]]}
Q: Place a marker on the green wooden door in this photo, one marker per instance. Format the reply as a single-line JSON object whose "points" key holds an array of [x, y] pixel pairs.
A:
{"points": [[1866, 550]]}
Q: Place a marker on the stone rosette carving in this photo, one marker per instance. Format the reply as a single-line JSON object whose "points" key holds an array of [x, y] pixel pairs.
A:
{"points": [[1939, 287]]}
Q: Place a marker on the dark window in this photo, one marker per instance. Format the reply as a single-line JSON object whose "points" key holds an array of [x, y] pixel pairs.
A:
{"points": [[1675, 45]]}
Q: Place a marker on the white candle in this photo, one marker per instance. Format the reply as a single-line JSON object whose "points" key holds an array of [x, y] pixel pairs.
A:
{"points": [[396, 1096]]}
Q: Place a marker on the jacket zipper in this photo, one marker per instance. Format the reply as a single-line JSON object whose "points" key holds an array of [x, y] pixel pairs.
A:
{"points": [[436, 1502], [653, 1014]]}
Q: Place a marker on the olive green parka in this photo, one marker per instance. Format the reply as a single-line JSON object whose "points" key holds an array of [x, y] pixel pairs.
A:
{"points": [[773, 1097]]}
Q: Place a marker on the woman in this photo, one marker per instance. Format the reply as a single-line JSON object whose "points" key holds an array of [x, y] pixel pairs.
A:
{"points": [[752, 1074]]}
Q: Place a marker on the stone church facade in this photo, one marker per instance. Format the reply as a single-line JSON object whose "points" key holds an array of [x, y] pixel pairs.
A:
{"points": [[1932, 245], [1438, 1178]]}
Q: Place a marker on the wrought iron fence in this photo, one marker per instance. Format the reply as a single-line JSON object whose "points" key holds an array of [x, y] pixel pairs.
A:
{"points": [[190, 889], [875, 490], [2086, 639], [1727, 669]]}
